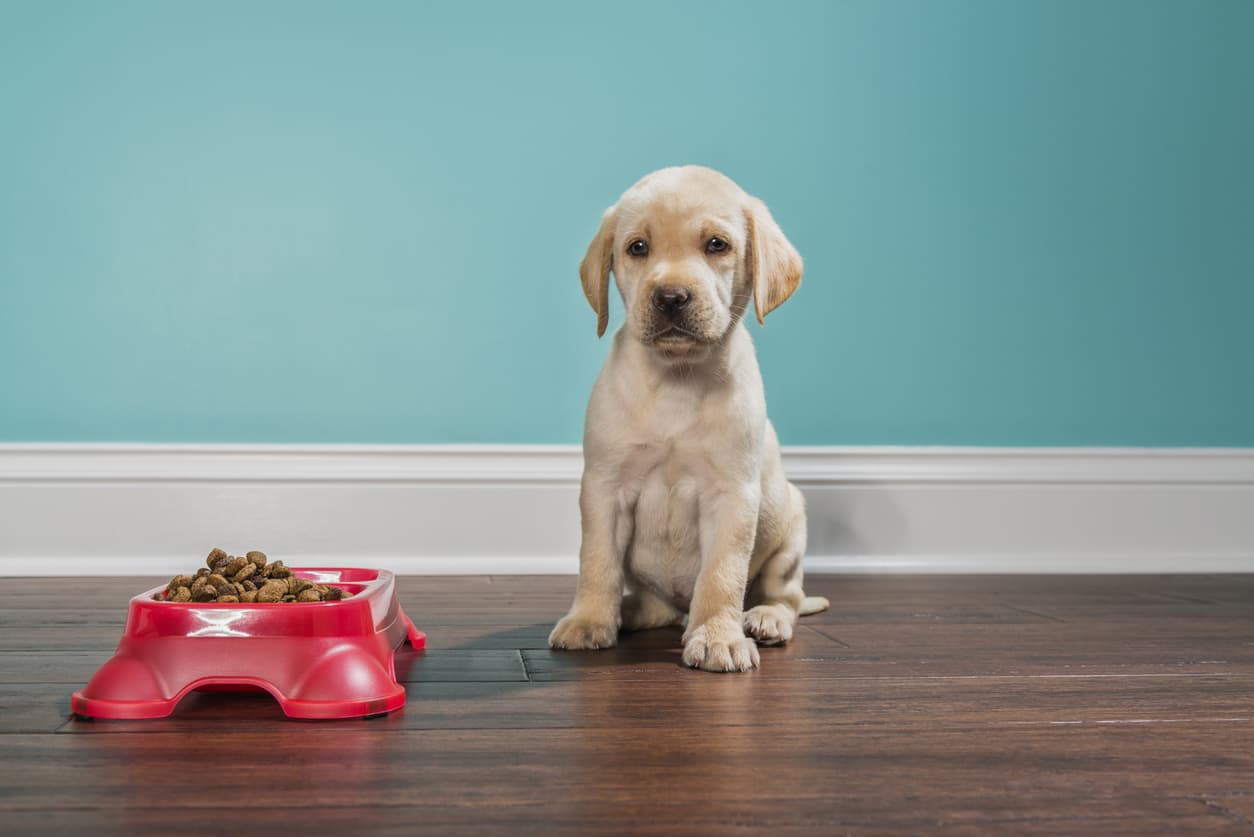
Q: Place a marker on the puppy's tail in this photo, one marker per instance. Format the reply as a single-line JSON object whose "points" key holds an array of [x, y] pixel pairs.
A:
{"points": [[814, 604]]}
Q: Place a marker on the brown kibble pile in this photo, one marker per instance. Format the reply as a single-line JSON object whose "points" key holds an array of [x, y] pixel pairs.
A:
{"points": [[249, 579]]}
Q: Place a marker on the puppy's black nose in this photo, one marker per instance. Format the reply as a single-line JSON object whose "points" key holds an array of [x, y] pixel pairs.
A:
{"points": [[671, 300]]}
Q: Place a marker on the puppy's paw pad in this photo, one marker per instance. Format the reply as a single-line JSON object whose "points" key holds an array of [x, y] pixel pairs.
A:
{"points": [[575, 633], [740, 654], [768, 624]]}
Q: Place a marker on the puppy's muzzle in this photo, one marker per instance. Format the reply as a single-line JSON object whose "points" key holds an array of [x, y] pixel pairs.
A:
{"points": [[670, 302]]}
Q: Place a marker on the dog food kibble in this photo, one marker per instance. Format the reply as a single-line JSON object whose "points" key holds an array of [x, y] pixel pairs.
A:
{"points": [[232, 579], [272, 592]]}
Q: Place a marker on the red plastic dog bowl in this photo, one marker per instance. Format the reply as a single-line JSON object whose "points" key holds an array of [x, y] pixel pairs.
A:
{"points": [[318, 659]]}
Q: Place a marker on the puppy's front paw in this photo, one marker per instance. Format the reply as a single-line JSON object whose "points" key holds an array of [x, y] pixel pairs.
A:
{"points": [[720, 650], [575, 632], [769, 624]]}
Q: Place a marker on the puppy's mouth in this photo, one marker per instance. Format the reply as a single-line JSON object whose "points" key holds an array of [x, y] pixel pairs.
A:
{"points": [[675, 344], [673, 337]]}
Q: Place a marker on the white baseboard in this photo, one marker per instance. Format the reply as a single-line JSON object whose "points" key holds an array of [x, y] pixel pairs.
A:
{"points": [[157, 509]]}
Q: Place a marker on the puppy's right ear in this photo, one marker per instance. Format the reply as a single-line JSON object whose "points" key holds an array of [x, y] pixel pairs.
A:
{"points": [[594, 270]]}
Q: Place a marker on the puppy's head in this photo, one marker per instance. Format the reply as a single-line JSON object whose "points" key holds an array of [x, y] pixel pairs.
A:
{"points": [[688, 248]]}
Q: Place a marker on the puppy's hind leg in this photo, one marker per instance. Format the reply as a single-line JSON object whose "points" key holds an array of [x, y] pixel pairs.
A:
{"points": [[643, 610], [776, 598], [776, 595]]}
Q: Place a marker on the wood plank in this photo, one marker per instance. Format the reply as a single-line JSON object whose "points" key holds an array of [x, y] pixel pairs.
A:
{"points": [[1143, 647], [710, 702], [1133, 816], [498, 636], [934, 769], [1197, 646], [59, 638], [26, 707], [913, 613], [562, 585], [52, 594], [1114, 592], [483, 609], [957, 650], [51, 667], [72, 616], [983, 587], [461, 665], [457, 600], [536, 636], [474, 665]]}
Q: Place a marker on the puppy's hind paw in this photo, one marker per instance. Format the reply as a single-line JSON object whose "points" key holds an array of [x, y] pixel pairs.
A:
{"points": [[732, 654], [575, 633], [769, 624]]}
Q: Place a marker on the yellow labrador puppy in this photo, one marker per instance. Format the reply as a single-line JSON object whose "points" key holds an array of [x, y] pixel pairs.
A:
{"points": [[684, 501]]}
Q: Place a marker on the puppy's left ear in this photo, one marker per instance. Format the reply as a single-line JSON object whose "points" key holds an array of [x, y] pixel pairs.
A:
{"points": [[774, 264], [594, 270]]}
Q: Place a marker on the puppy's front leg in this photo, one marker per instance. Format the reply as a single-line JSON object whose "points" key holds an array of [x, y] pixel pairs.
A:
{"points": [[596, 614], [715, 639]]}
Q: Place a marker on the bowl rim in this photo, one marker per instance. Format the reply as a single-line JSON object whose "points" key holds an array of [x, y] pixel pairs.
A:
{"points": [[367, 587]]}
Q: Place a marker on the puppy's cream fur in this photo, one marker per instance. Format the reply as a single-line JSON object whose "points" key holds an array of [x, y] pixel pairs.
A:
{"points": [[684, 501]]}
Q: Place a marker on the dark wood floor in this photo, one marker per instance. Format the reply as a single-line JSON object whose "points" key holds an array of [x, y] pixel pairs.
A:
{"points": [[963, 705]]}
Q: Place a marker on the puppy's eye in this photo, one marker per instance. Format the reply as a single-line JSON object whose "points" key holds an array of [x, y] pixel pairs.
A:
{"points": [[639, 247], [716, 245]]}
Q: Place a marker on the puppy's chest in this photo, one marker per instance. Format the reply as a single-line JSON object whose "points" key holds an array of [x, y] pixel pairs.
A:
{"points": [[665, 547], [672, 416], [672, 464]]}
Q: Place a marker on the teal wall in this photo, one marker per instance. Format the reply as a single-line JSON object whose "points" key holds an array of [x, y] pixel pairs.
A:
{"points": [[1024, 223]]}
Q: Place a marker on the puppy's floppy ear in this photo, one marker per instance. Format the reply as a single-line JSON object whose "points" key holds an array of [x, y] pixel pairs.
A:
{"points": [[774, 264], [594, 270]]}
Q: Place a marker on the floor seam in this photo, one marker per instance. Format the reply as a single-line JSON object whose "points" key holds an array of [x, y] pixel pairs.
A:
{"points": [[1213, 805], [522, 658], [826, 635], [1036, 613]]}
